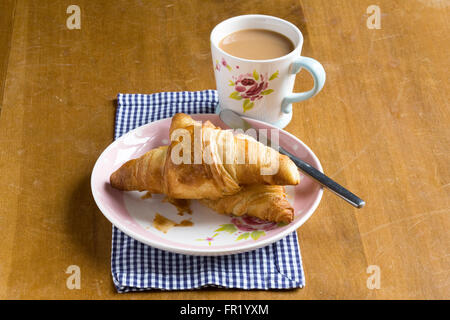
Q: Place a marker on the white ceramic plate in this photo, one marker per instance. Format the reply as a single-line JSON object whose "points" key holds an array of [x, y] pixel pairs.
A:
{"points": [[211, 233]]}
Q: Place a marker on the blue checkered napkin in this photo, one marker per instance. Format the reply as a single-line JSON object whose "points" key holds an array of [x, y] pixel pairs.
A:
{"points": [[136, 266]]}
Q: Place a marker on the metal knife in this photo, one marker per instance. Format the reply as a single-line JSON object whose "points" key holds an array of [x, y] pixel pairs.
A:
{"points": [[235, 121]]}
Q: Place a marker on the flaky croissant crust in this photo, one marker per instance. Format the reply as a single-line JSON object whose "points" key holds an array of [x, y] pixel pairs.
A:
{"points": [[156, 171], [265, 202]]}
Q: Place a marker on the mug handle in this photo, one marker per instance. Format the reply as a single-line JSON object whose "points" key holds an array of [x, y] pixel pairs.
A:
{"points": [[317, 72]]}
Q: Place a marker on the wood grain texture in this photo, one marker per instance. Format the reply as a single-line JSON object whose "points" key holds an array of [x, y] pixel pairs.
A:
{"points": [[7, 10], [380, 127]]}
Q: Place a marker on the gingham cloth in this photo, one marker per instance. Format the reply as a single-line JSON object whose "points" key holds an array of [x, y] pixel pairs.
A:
{"points": [[136, 266]]}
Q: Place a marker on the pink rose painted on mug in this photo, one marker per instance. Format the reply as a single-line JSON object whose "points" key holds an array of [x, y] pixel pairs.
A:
{"points": [[248, 87], [251, 87]]}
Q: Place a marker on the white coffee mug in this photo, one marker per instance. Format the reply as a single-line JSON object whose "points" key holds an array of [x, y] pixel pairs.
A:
{"points": [[262, 89]]}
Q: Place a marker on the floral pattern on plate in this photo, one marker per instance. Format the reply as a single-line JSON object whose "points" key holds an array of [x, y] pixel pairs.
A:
{"points": [[244, 227]]}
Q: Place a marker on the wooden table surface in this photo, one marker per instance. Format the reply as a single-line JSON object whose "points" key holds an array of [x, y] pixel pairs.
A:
{"points": [[381, 127]]}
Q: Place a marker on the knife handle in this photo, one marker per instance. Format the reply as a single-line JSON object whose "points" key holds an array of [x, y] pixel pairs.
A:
{"points": [[325, 181]]}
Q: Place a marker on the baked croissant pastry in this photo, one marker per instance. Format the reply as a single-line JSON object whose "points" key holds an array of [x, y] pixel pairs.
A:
{"points": [[218, 164], [144, 173], [262, 201]]}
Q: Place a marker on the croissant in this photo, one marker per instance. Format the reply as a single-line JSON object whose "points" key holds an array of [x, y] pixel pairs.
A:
{"points": [[144, 173], [262, 201], [204, 162]]}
